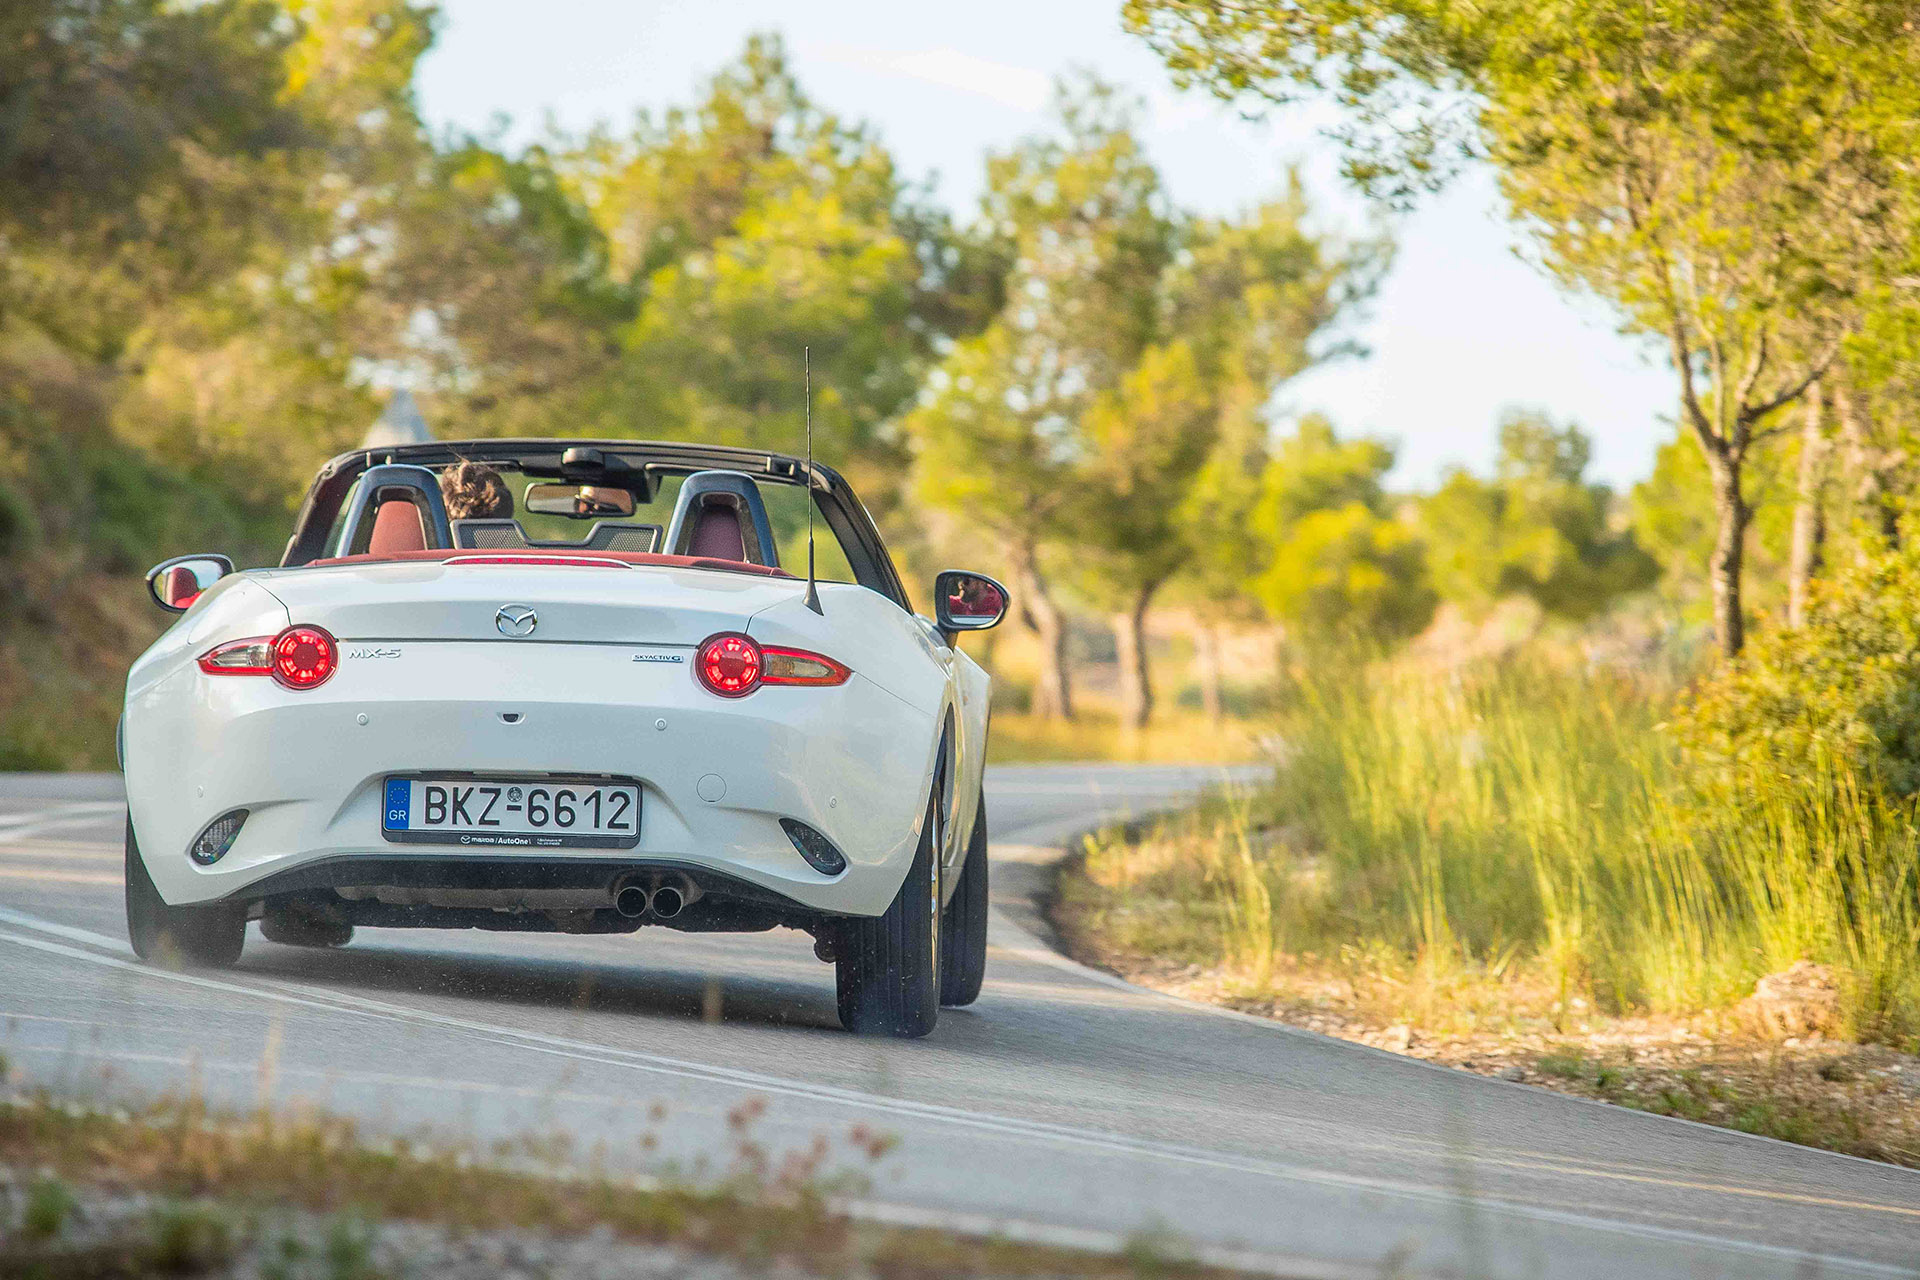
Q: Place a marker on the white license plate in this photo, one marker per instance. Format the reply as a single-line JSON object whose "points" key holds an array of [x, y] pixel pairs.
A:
{"points": [[516, 813]]}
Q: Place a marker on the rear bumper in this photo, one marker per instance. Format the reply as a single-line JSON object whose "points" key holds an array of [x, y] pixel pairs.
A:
{"points": [[853, 762], [554, 894]]}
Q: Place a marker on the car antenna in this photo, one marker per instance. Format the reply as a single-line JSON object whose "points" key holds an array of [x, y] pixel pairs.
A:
{"points": [[813, 587]]}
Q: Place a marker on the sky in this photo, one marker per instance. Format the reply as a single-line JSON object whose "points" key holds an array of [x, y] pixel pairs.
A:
{"points": [[1460, 330]]}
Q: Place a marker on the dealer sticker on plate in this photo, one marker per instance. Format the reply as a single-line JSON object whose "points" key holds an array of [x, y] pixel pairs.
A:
{"points": [[516, 813]]}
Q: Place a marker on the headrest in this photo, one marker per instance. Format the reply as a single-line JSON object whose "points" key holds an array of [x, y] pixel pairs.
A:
{"points": [[722, 510]]}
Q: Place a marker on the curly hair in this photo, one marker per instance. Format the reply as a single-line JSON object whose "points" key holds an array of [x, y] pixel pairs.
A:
{"points": [[475, 491]]}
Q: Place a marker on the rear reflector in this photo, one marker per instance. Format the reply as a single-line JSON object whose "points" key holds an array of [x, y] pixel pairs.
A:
{"points": [[814, 847], [212, 844]]}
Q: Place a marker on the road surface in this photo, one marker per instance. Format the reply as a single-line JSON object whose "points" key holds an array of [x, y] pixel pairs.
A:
{"points": [[1065, 1105]]}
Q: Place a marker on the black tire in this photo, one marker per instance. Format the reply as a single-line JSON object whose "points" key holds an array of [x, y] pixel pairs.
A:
{"points": [[963, 934], [887, 975], [209, 936]]}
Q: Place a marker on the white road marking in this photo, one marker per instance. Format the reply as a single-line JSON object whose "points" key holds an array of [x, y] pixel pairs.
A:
{"points": [[55, 876], [1029, 1130]]}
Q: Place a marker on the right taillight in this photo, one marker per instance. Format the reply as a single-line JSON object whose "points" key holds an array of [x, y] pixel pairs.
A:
{"points": [[733, 665], [301, 657], [730, 664]]}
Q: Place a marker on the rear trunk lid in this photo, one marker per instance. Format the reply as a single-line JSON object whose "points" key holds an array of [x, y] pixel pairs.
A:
{"points": [[609, 603]]}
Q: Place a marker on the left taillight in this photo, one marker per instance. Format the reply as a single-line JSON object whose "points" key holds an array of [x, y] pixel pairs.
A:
{"points": [[300, 657]]}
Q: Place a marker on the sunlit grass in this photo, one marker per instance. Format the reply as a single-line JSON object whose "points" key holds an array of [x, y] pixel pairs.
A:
{"points": [[1526, 828]]}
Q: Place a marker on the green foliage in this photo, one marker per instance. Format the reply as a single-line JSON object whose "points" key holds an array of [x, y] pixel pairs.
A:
{"points": [[1732, 175], [49, 1205], [1525, 810], [1537, 528], [1844, 688], [1145, 439], [755, 224], [1342, 566]]}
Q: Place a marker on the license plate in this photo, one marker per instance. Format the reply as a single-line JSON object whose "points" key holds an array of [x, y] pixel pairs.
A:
{"points": [[517, 813]]}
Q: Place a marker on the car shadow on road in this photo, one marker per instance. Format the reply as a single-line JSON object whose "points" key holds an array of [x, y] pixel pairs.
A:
{"points": [[529, 981]]}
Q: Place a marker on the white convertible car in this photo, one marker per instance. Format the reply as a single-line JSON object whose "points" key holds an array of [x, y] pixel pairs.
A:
{"points": [[615, 701]]}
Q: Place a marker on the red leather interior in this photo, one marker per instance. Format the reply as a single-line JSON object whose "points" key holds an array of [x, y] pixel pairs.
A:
{"points": [[716, 534], [535, 555], [397, 527]]}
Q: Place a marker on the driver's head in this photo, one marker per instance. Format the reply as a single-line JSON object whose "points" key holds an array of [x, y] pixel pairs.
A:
{"points": [[475, 491]]}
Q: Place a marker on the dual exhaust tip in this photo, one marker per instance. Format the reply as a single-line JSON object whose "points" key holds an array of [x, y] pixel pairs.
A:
{"points": [[634, 899]]}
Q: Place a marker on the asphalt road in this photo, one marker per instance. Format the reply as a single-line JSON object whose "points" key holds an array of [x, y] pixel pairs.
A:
{"points": [[1064, 1105]]}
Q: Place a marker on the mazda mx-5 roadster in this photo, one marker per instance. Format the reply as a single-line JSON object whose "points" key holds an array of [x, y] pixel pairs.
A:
{"points": [[634, 684]]}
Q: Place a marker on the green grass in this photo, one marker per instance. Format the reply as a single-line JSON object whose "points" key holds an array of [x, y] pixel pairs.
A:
{"points": [[1448, 834]]}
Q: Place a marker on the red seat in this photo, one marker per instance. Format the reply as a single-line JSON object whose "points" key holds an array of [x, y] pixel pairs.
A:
{"points": [[397, 527], [183, 588], [717, 535]]}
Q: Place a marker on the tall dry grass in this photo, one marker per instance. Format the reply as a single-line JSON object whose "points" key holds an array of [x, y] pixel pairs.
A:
{"points": [[1527, 814]]}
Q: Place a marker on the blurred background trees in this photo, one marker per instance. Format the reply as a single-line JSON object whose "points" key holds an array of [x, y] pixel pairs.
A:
{"points": [[226, 236]]}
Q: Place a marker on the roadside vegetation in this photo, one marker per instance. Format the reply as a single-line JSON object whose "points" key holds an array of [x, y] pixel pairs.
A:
{"points": [[1539, 850], [176, 1191]]}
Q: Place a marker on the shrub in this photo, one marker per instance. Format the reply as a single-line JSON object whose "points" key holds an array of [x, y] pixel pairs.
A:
{"points": [[1843, 689]]}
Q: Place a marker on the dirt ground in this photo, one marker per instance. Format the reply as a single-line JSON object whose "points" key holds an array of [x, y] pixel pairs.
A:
{"points": [[1860, 1099]]}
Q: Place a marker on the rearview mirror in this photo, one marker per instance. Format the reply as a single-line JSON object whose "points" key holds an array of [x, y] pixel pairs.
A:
{"points": [[964, 601], [578, 501], [175, 584]]}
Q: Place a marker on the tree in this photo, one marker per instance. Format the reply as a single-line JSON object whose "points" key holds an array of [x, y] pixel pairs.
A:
{"points": [[988, 446], [1088, 238], [1536, 528], [1145, 440], [1729, 173], [1261, 299], [1342, 567], [755, 224]]}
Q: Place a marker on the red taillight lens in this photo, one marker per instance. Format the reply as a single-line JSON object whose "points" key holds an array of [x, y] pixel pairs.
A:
{"points": [[303, 657], [730, 665], [252, 657], [801, 666], [299, 657]]}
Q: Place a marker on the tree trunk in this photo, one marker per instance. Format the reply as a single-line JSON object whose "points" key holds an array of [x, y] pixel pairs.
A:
{"points": [[1809, 510], [1206, 668], [1130, 643], [1053, 690], [1876, 515], [1729, 551]]}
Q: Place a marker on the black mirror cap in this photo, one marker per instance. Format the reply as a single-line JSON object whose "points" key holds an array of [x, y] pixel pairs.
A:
{"points": [[968, 601], [163, 583]]}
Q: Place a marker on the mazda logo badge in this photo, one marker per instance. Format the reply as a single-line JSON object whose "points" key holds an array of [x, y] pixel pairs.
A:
{"points": [[516, 620]]}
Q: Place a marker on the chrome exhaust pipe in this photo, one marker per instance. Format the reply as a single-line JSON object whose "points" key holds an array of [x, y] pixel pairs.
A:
{"points": [[631, 900], [668, 902]]}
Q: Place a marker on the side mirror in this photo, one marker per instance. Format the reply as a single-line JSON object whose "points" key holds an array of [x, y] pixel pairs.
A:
{"points": [[175, 584], [965, 601]]}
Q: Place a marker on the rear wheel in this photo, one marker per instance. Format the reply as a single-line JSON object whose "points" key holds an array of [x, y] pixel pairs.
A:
{"points": [[963, 934], [174, 936], [888, 969]]}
